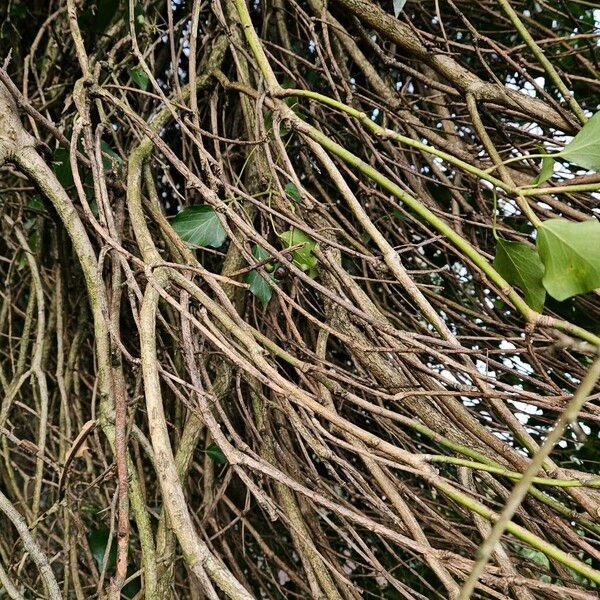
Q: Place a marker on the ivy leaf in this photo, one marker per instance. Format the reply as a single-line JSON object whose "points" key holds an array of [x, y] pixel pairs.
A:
{"points": [[258, 285], [139, 17], [546, 171], [536, 556], [292, 191], [303, 256], [35, 203], [139, 77], [92, 509], [520, 265], [571, 254], [398, 6], [199, 226], [293, 103], [97, 17], [131, 589], [584, 149], [62, 167], [98, 540], [110, 158], [88, 188], [215, 453]]}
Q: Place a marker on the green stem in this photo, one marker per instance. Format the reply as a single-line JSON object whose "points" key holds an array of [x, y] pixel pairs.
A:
{"points": [[478, 458], [460, 243], [564, 189], [479, 260], [509, 161], [522, 487], [521, 533], [303, 127], [548, 66], [384, 133], [563, 483], [440, 225]]}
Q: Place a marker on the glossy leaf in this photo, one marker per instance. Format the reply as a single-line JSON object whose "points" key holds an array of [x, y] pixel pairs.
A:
{"points": [[535, 556], [303, 256], [98, 15], [571, 255], [520, 265], [131, 589], [139, 77], [98, 540], [215, 453], [139, 17], [35, 203], [258, 285], [292, 191], [546, 171], [199, 226], [584, 149], [398, 6], [62, 167], [110, 158]]}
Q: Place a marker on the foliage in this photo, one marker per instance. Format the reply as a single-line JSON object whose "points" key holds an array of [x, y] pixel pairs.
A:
{"points": [[303, 246], [417, 184], [216, 454], [199, 226], [571, 255], [140, 77], [584, 149], [258, 284], [520, 265]]}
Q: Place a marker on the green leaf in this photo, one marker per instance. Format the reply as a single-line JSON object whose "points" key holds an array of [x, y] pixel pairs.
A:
{"points": [[536, 556], [293, 102], [520, 265], [36, 204], [303, 256], [134, 586], [113, 159], [96, 17], [398, 6], [546, 171], [580, 579], [292, 191], [584, 149], [199, 226], [139, 77], [88, 188], [571, 254], [98, 540], [215, 453], [258, 285], [62, 167], [139, 17], [499, 304]]}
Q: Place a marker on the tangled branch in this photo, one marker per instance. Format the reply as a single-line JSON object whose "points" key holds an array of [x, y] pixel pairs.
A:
{"points": [[282, 311]]}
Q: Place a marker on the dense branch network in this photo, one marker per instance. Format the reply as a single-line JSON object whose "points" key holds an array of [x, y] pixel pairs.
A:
{"points": [[314, 381]]}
